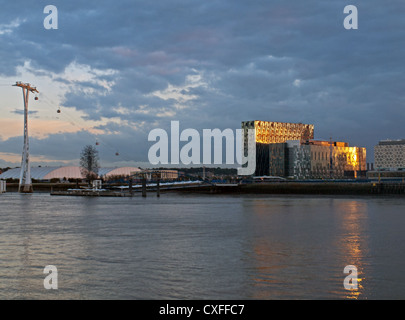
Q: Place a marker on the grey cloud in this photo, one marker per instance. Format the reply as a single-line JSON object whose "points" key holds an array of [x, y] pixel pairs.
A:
{"points": [[249, 53]]}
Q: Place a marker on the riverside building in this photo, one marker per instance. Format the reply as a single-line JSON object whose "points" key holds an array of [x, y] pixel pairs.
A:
{"points": [[268, 133], [289, 150], [390, 154], [389, 161]]}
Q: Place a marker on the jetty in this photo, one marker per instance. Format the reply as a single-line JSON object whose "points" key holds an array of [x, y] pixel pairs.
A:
{"points": [[132, 190]]}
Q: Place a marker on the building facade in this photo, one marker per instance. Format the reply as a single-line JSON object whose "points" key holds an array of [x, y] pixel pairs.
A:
{"points": [[289, 150], [326, 160], [316, 160], [390, 154], [268, 133]]}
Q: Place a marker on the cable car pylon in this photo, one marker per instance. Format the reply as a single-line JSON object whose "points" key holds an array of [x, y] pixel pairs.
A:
{"points": [[25, 185]]}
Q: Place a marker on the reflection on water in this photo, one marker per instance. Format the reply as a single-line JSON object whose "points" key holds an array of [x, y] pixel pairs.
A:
{"points": [[354, 240], [201, 247], [305, 244]]}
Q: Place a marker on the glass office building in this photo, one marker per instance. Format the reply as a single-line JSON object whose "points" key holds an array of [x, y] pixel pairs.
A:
{"points": [[268, 133], [326, 160], [289, 150]]}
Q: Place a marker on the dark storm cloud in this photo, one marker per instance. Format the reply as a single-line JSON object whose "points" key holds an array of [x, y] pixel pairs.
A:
{"points": [[281, 60]]}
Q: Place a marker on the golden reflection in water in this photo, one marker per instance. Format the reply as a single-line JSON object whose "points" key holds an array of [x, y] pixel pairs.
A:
{"points": [[285, 254], [266, 262], [352, 241], [269, 264]]}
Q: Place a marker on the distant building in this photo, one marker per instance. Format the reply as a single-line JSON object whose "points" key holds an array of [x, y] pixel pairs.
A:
{"points": [[49, 173], [390, 155], [389, 161], [289, 150], [169, 174], [151, 174]]}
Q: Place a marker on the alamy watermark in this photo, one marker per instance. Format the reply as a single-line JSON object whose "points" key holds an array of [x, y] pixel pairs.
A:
{"points": [[51, 280], [51, 20], [350, 21], [351, 281], [206, 151]]}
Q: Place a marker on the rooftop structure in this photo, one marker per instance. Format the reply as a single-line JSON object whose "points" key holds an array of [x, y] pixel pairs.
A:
{"points": [[277, 132], [392, 142]]}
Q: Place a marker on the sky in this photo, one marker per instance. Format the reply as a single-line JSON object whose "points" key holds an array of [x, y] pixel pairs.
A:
{"points": [[119, 69]]}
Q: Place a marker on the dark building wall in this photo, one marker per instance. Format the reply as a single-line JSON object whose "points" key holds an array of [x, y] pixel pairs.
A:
{"points": [[262, 159], [278, 159]]}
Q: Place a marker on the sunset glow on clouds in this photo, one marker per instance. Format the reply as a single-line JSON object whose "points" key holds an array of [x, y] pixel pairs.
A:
{"points": [[120, 69]]}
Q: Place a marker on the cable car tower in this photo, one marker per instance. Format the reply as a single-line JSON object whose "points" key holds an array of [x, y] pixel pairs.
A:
{"points": [[25, 176]]}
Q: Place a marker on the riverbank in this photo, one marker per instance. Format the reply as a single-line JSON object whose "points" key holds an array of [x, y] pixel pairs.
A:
{"points": [[338, 188], [315, 188], [46, 186]]}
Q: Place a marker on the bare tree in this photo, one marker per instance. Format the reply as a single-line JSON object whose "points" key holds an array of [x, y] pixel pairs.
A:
{"points": [[89, 163]]}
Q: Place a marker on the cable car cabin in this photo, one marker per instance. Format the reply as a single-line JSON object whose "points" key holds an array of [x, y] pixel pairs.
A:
{"points": [[58, 111], [97, 144], [36, 98], [117, 154]]}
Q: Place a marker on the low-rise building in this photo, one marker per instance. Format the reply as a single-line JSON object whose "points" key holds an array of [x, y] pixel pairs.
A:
{"points": [[390, 154], [66, 173], [314, 159]]}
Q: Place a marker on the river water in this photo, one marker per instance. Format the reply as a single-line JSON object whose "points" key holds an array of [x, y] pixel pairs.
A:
{"points": [[201, 247]]}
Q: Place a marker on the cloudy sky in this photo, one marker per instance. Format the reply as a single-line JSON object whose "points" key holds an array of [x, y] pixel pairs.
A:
{"points": [[118, 69]]}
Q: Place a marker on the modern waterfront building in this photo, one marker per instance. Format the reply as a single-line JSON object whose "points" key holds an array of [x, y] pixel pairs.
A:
{"points": [[314, 159], [390, 155], [268, 132], [289, 150], [389, 161]]}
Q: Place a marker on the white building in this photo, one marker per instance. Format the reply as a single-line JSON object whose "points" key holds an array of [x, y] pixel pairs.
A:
{"points": [[48, 173], [390, 154]]}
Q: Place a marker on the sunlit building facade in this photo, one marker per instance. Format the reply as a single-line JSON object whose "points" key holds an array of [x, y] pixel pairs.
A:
{"points": [[267, 133], [289, 150], [325, 160]]}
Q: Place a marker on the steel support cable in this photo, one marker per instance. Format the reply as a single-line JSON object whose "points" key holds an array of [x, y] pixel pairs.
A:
{"points": [[74, 122]]}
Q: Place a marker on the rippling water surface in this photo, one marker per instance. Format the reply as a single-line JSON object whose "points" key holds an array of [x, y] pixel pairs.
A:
{"points": [[201, 247]]}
